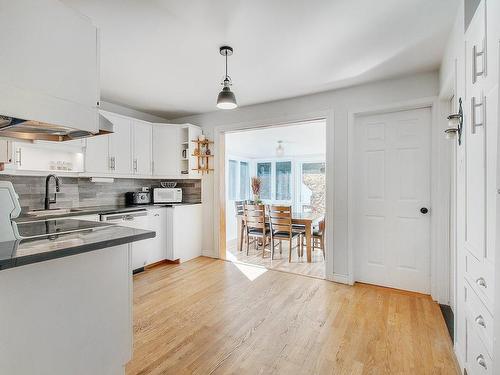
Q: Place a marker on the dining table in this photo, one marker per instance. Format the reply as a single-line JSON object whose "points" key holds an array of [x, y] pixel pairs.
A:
{"points": [[307, 219]]}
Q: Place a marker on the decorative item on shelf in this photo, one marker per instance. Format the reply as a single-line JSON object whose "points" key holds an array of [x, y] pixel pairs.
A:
{"points": [[208, 152], [256, 186], [168, 184], [455, 123], [196, 152]]}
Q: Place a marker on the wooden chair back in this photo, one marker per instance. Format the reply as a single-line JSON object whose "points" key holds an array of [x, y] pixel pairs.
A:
{"points": [[240, 207], [280, 218], [255, 216], [321, 227]]}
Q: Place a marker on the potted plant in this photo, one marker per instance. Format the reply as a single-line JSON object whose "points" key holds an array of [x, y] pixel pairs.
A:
{"points": [[256, 185]]}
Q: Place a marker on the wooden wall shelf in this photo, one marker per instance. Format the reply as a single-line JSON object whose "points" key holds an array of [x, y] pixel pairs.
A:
{"points": [[203, 160]]}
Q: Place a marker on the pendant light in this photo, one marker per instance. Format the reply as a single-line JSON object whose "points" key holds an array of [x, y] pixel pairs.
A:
{"points": [[226, 98]]}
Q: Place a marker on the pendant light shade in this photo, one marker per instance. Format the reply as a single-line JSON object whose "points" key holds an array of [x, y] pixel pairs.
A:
{"points": [[226, 98]]}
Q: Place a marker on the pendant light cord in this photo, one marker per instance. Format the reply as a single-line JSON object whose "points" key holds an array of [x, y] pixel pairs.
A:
{"points": [[226, 64]]}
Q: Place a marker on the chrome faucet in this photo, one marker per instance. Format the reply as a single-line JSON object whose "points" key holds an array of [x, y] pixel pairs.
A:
{"points": [[48, 201]]}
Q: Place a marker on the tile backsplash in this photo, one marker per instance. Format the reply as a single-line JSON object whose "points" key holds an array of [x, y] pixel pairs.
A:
{"points": [[81, 192]]}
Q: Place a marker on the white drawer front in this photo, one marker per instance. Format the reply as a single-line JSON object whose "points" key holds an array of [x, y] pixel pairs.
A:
{"points": [[480, 275], [478, 360], [479, 317]]}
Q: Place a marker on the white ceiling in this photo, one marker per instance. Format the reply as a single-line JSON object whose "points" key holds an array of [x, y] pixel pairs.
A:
{"points": [[262, 143], [161, 56]]}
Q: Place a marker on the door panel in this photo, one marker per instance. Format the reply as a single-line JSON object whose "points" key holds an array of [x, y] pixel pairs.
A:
{"points": [[96, 154], [166, 150], [391, 183], [142, 148], [120, 144]]}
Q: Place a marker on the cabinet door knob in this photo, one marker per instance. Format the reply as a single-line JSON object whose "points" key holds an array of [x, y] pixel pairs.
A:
{"points": [[424, 210], [481, 282], [481, 361], [480, 321]]}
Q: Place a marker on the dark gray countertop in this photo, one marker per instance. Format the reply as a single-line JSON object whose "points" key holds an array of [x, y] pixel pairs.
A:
{"points": [[27, 251], [101, 210]]}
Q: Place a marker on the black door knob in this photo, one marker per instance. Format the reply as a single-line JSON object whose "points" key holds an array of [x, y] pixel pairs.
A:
{"points": [[424, 210]]}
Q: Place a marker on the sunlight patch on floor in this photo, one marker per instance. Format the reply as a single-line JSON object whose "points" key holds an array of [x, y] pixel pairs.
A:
{"points": [[251, 271]]}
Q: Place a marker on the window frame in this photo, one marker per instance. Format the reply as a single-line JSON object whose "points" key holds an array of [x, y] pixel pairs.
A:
{"points": [[300, 163], [238, 161], [295, 176]]}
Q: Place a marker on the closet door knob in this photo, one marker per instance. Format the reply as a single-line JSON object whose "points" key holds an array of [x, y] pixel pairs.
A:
{"points": [[480, 361], [424, 210], [480, 321], [481, 282]]}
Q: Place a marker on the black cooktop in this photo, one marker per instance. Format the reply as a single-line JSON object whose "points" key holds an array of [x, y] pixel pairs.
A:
{"points": [[52, 227]]}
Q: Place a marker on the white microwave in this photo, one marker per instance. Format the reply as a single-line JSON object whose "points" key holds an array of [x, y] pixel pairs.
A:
{"points": [[167, 195]]}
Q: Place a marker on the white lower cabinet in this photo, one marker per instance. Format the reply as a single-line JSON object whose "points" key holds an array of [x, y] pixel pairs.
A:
{"points": [[184, 228], [178, 232], [157, 247]]}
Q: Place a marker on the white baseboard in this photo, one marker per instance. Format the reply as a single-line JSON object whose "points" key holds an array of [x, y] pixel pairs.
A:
{"points": [[339, 278], [209, 254]]}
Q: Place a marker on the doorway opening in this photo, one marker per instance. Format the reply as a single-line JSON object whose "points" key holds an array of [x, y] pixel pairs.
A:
{"points": [[288, 163]]}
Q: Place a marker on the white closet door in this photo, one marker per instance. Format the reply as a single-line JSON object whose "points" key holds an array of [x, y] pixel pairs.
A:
{"points": [[391, 193]]}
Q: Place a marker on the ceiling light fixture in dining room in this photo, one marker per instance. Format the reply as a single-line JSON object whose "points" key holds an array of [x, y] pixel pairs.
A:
{"points": [[280, 151], [226, 98]]}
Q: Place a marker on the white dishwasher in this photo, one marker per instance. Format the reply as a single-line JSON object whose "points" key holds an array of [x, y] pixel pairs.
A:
{"points": [[133, 219]]}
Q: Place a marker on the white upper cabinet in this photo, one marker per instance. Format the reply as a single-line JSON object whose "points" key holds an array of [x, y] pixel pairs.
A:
{"points": [[50, 64], [97, 155], [166, 150], [141, 136], [120, 145]]}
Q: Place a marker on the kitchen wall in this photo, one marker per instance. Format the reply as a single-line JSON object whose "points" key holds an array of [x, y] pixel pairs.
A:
{"points": [[337, 106], [80, 192]]}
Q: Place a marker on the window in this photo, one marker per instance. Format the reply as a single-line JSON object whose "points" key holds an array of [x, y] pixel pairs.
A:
{"points": [[232, 182], [312, 190], [283, 180], [264, 172], [244, 180]]}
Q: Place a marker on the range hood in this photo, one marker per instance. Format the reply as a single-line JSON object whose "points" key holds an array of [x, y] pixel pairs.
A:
{"points": [[12, 127]]}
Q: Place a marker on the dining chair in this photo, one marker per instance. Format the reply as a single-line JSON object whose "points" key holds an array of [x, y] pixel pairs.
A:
{"points": [[318, 237], [240, 212], [280, 220], [255, 224]]}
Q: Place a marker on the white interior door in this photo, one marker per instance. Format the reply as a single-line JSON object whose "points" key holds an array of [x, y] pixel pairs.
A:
{"points": [[391, 185]]}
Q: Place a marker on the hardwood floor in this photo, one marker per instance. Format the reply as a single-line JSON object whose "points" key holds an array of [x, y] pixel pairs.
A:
{"points": [[280, 262], [206, 316]]}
